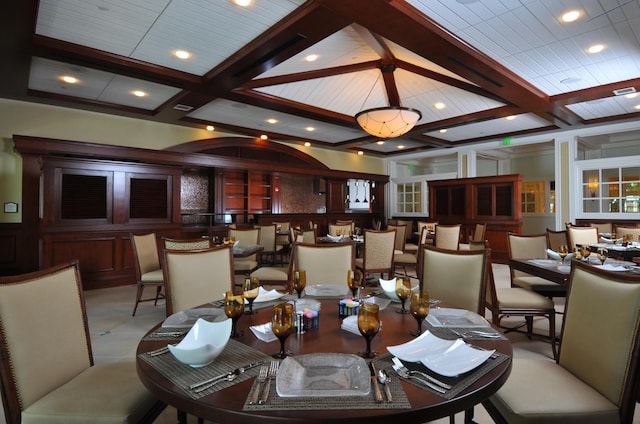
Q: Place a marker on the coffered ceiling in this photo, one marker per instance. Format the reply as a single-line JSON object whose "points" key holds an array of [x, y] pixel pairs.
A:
{"points": [[500, 68]]}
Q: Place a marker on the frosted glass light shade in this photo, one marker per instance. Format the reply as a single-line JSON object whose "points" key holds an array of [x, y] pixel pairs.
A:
{"points": [[388, 122]]}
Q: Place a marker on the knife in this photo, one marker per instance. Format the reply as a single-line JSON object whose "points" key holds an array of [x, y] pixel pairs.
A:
{"points": [[374, 379], [237, 371]]}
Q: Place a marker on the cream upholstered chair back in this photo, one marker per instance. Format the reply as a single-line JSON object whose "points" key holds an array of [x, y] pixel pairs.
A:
{"points": [[603, 227], [526, 246], [44, 331], [145, 253], [324, 263], [447, 236], [342, 228], [409, 227], [284, 226], [555, 239], [600, 342], [309, 236], [378, 250], [634, 232], [582, 235], [245, 236], [429, 225], [267, 237], [479, 232], [400, 239], [457, 277], [194, 277], [186, 244]]}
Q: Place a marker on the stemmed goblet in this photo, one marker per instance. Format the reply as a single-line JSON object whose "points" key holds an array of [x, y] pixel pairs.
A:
{"points": [[586, 251], [299, 281], [403, 291], [234, 308], [282, 325], [563, 251], [602, 255], [354, 279], [368, 325], [251, 289], [420, 306]]}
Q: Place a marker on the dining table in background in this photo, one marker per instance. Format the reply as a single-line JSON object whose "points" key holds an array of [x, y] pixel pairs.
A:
{"points": [[228, 405], [246, 251], [619, 251]]}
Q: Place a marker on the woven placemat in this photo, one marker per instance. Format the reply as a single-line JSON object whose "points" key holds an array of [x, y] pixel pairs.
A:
{"points": [[459, 383], [449, 332], [275, 402], [234, 355], [256, 305]]}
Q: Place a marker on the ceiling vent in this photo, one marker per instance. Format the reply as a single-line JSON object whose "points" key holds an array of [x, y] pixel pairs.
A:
{"points": [[623, 91], [183, 108]]}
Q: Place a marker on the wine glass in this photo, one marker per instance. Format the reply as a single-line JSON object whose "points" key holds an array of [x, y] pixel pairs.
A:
{"points": [[586, 251], [563, 251], [282, 324], [299, 281], [368, 325], [403, 291], [234, 308], [353, 281], [419, 309], [602, 255], [251, 289]]}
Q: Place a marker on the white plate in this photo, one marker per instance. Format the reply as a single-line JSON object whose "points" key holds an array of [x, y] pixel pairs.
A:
{"points": [[326, 290], [447, 317], [445, 357], [186, 319], [323, 375], [265, 296]]}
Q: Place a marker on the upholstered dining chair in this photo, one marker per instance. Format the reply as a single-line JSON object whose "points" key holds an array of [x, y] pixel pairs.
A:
{"points": [[582, 236], [476, 237], [633, 232], [267, 239], [595, 377], [447, 236], [324, 263], [377, 254], [245, 237], [308, 236], [409, 246], [457, 277], [430, 228], [147, 267], [194, 277], [401, 257], [531, 246], [187, 244], [555, 239], [48, 374], [283, 236]]}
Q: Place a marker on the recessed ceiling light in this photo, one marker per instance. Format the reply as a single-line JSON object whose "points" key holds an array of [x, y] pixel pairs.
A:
{"points": [[69, 79], [571, 16], [510, 117], [443, 130], [401, 146], [264, 137], [182, 54], [243, 3], [272, 121], [380, 142], [311, 58], [439, 105], [307, 144], [571, 80], [596, 48], [360, 152], [631, 95], [210, 128], [310, 129], [138, 93], [637, 107]]}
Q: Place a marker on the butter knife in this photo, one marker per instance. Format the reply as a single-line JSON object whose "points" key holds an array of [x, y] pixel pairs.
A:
{"points": [[374, 380], [237, 371]]}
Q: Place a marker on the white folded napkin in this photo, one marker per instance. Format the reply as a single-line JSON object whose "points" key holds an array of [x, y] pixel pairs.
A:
{"points": [[334, 238], [610, 267], [554, 255], [380, 301], [263, 332], [350, 324]]}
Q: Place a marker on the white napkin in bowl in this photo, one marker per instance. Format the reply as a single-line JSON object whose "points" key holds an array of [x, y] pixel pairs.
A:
{"points": [[554, 255]]}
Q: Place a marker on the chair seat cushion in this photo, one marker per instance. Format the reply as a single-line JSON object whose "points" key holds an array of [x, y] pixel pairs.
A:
{"points": [[536, 283], [410, 247], [541, 391], [104, 393], [519, 298], [269, 273], [405, 258], [153, 276], [245, 264]]}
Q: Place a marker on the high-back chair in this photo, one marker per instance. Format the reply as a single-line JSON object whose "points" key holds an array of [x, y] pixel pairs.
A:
{"points": [[633, 232], [476, 238], [195, 277], [187, 244], [555, 239], [582, 236], [245, 237], [378, 253], [325, 263], [303, 236], [267, 239], [401, 257], [283, 237], [603, 227], [48, 374], [447, 236], [531, 246], [457, 277], [147, 267], [595, 378], [343, 229]]}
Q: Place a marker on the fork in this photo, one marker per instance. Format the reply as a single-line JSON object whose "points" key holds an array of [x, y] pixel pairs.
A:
{"points": [[262, 376], [273, 371], [405, 372]]}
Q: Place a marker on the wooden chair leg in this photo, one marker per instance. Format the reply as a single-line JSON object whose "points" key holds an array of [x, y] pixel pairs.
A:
{"points": [[138, 297]]}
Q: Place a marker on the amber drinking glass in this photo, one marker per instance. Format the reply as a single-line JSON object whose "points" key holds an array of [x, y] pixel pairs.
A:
{"points": [[419, 309], [563, 251], [602, 255], [299, 281], [403, 291], [251, 289], [354, 279], [282, 325], [234, 308], [369, 325]]}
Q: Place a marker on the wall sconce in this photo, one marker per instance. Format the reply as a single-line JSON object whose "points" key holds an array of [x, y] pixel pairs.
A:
{"points": [[593, 187]]}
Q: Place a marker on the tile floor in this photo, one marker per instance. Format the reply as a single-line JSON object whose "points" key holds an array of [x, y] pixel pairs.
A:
{"points": [[115, 333]]}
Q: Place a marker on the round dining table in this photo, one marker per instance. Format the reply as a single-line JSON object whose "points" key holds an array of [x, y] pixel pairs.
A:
{"points": [[226, 405]]}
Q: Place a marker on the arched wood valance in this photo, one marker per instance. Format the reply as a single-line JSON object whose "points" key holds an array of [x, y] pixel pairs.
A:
{"points": [[250, 148]]}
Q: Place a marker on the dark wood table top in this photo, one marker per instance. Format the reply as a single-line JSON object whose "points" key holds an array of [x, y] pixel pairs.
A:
{"points": [[548, 269], [246, 251], [226, 406]]}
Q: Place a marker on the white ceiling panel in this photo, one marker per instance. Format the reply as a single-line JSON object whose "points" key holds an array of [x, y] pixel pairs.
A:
{"points": [[611, 106], [490, 128]]}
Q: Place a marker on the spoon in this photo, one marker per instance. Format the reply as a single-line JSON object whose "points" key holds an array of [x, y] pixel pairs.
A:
{"points": [[229, 377], [384, 379]]}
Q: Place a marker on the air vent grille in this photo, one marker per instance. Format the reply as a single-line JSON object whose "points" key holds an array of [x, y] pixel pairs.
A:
{"points": [[184, 108], [623, 91]]}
